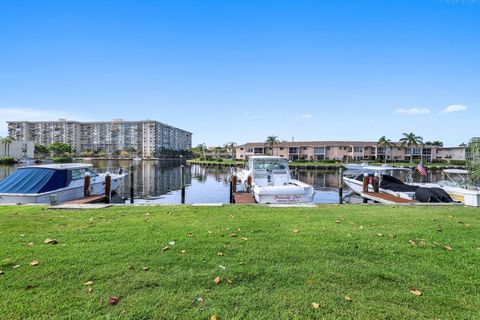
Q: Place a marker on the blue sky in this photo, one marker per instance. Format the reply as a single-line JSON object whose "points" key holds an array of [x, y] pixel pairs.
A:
{"points": [[243, 70]]}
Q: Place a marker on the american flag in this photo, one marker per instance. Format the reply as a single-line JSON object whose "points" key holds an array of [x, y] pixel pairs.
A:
{"points": [[421, 169]]}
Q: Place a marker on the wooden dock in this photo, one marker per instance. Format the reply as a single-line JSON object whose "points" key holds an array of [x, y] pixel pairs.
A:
{"points": [[87, 200], [243, 198], [386, 198]]}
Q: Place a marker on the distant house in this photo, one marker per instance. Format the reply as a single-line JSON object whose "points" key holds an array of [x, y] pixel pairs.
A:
{"points": [[17, 150], [347, 151]]}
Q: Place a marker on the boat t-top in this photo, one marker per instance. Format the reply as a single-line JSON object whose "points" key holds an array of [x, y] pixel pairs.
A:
{"points": [[397, 182], [271, 181], [35, 184]]}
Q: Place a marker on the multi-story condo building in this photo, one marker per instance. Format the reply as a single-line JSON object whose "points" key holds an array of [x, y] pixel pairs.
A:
{"points": [[343, 151], [146, 137]]}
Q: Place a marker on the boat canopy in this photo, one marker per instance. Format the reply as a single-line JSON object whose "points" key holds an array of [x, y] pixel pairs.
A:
{"points": [[384, 168], [34, 180]]}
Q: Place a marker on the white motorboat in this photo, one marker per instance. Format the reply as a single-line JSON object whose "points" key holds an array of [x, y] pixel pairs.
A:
{"points": [[397, 182], [35, 184], [272, 182], [458, 187]]}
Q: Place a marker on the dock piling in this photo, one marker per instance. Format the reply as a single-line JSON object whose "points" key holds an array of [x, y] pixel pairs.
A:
{"points": [[340, 185], [182, 182], [132, 182], [86, 185], [365, 186], [108, 187]]}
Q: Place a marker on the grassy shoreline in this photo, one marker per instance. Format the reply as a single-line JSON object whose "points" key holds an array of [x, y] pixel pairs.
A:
{"points": [[279, 261], [296, 164]]}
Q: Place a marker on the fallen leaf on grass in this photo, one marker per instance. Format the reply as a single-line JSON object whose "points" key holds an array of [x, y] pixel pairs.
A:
{"points": [[213, 318], [217, 280], [412, 242], [15, 266], [243, 263], [315, 305], [30, 244], [88, 283], [243, 238], [448, 248], [189, 234], [2, 272], [221, 267], [380, 234], [232, 235], [172, 243], [338, 221], [348, 299], [296, 231], [113, 300], [22, 234], [229, 281], [89, 290], [393, 236], [434, 244], [166, 248], [183, 251], [50, 241], [220, 254], [415, 292], [34, 263], [210, 232], [145, 268]]}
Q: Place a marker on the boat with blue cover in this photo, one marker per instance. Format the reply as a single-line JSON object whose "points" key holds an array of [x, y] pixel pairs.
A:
{"points": [[35, 184]]}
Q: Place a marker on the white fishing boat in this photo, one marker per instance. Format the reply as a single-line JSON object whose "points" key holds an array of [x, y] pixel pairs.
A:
{"points": [[397, 182], [458, 187], [36, 184], [272, 183]]}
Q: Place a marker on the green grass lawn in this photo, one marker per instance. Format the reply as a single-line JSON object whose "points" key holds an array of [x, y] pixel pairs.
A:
{"points": [[279, 261]]}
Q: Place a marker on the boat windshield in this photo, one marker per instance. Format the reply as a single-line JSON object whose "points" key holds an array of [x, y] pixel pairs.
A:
{"points": [[270, 164]]}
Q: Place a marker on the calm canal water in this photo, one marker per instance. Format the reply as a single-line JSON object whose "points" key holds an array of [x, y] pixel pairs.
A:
{"points": [[158, 182]]}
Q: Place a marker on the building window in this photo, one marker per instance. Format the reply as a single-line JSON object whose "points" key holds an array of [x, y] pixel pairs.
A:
{"points": [[358, 149], [319, 150], [250, 150], [258, 150], [293, 150], [241, 149], [281, 148], [304, 148]]}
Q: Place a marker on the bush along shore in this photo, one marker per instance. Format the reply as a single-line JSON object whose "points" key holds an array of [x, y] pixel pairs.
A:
{"points": [[328, 165], [240, 262]]}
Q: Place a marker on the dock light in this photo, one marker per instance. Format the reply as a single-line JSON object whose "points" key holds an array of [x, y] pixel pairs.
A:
{"points": [[365, 174], [87, 174], [107, 173]]}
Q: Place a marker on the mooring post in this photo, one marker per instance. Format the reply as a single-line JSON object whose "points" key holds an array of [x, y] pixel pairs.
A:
{"points": [[376, 186], [108, 187], [231, 189], [182, 182], [365, 186], [340, 185], [249, 184], [132, 183], [86, 185]]}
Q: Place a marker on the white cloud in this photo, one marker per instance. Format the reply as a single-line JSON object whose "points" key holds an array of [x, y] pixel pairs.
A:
{"points": [[31, 114], [454, 108], [413, 111], [307, 116]]}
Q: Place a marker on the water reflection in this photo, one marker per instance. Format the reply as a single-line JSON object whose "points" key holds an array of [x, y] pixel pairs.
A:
{"points": [[160, 181]]}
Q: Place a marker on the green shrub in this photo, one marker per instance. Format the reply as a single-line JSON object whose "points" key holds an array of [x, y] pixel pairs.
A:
{"points": [[63, 159], [458, 162], [7, 160]]}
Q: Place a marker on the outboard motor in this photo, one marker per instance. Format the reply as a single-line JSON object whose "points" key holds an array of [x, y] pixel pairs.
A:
{"points": [[432, 195]]}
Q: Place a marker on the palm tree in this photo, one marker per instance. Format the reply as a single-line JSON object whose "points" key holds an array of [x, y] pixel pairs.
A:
{"points": [[473, 160], [385, 143], [8, 141], [230, 147], [410, 140], [272, 140]]}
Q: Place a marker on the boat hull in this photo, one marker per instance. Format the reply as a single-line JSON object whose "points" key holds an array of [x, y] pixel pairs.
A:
{"points": [[357, 187], [294, 192], [63, 195]]}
